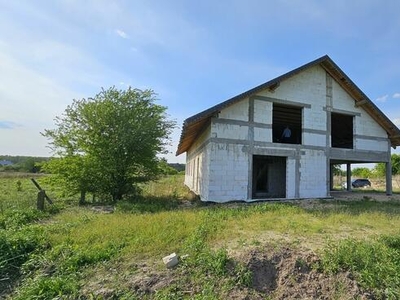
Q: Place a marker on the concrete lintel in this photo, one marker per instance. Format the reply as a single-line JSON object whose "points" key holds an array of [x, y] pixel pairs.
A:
{"points": [[281, 101], [314, 131], [241, 123], [274, 152], [341, 111], [372, 138], [357, 155]]}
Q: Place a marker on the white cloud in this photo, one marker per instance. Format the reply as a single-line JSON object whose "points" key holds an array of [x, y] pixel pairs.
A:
{"points": [[396, 95], [121, 33], [382, 98]]}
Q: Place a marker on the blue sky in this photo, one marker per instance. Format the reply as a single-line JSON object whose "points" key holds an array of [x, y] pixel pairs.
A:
{"points": [[193, 54]]}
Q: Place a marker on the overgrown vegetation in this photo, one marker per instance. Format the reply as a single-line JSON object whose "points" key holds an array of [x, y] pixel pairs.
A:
{"points": [[375, 262], [109, 143], [71, 251]]}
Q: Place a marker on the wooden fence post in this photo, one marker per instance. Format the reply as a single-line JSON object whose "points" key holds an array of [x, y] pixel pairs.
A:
{"points": [[40, 200]]}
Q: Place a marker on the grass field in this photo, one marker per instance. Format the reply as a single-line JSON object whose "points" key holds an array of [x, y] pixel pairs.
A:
{"points": [[70, 251]]}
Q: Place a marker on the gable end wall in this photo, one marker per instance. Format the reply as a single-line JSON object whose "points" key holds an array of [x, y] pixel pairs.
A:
{"points": [[225, 150]]}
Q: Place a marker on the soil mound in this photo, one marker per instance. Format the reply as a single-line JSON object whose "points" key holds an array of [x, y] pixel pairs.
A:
{"points": [[289, 274]]}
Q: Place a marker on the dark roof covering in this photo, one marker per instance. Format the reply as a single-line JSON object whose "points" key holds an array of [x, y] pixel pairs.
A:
{"points": [[194, 125]]}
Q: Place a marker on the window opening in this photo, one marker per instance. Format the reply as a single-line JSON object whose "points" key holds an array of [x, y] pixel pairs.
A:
{"points": [[341, 131], [286, 124]]}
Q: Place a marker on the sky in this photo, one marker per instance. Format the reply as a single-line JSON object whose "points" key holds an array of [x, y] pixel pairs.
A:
{"points": [[193, 54]]}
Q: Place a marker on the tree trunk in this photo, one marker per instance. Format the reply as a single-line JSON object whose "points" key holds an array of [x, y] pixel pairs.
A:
{"points": [[82, 199]]}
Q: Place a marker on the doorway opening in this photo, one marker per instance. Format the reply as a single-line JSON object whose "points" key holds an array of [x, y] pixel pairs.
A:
{"points": [[269, 177]]}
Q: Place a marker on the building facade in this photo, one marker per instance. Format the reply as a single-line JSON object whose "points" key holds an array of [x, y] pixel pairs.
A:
{"points": [[280, 139]]}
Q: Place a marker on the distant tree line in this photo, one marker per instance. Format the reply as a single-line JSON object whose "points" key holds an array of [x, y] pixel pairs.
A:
{"points": [[33, 164], [378, 171], [29, 164]]}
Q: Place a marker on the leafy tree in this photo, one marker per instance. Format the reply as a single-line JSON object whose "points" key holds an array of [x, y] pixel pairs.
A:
{"points": [[109, 143], [361, 172], [165, 168], [380, 168], [76, 173], [337, 171]]}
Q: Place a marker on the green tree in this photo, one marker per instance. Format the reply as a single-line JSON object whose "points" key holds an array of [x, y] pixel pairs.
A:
{"points": [[337, 171], [76, 173], [165, 168], [380, 168], [361, 172], [109, 143]]}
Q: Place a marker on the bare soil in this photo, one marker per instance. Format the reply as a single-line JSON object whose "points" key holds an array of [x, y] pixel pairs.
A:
{"points": [[288, 273], [283, 273]]}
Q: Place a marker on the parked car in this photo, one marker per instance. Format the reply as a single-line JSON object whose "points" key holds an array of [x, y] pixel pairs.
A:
{"points": [[358, 183]]}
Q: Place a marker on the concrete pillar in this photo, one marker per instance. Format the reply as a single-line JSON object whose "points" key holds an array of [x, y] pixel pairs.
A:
{"points": [[348, 176], [330, 178], [389, 178]]}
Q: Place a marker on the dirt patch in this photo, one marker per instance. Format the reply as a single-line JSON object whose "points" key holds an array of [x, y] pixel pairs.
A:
{"points": [[289, 274], [283, 273]]}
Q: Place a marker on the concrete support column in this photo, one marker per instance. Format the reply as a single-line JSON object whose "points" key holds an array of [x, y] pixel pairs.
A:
{"points": [[348, 176], [389, 178], [251, 149]]}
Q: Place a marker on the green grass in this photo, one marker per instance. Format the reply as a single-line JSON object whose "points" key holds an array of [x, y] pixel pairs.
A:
{"points": [[376, 263], [60, 251]]}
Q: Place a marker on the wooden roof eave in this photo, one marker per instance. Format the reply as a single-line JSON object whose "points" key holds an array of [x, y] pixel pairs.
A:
{"points": [[190, 132]]}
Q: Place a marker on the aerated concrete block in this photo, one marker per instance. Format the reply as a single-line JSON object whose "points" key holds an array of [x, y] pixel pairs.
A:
{"points": [[171, 260]]}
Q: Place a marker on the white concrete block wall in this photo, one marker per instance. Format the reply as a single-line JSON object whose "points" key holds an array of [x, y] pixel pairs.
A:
{"points": [[229, 131], [315, 117], [290, 178], [342, 100], [228, 174], [371, 145], [262, 112], [239, 111], [314, 139], [307, 87], [197, 178], [263, 134], [197, 166], [313, 172], [365, 125]]}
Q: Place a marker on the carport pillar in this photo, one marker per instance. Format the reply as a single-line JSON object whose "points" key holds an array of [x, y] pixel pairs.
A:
{"points": [[348, 176], [389, 178]]}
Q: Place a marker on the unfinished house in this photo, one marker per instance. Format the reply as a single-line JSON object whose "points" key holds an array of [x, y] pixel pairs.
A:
{"points": [[279, 140]]}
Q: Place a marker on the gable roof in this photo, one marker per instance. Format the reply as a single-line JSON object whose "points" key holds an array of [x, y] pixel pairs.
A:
{"points": [[194, 125]]}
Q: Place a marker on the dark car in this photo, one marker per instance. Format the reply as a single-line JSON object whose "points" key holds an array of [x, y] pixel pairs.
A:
{"points": [[360, 183]]}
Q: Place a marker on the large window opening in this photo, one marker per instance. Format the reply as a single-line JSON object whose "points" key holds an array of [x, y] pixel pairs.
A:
{"points": [[286, 124], [341, 131], [269, 177]]}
